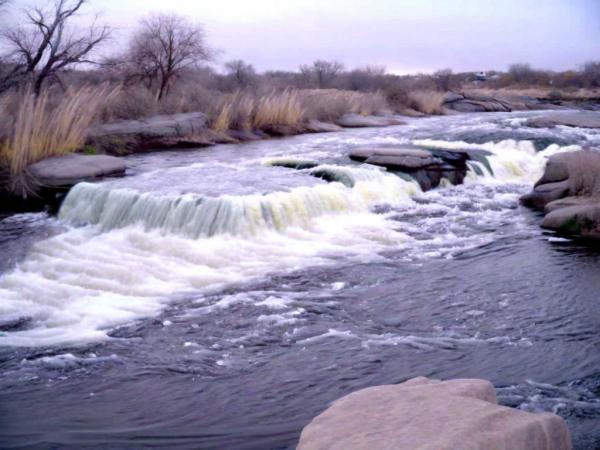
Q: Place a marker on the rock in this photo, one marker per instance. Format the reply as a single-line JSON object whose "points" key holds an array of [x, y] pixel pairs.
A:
{"points": [[545, 193], [406, 163], [431, 415], [580, 119], [582, 219], [167, 131], [557, 169], [569, 201], [363, 153], [360, 121], [316, 126], [68, 170], [426, 166], [450, 97]]}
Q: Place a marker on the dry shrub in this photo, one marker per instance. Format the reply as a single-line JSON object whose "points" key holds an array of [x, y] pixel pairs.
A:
{"points": [[331, 104], [134, 102], [584, 172], [40, 130], [281, 108], [428, 102]]}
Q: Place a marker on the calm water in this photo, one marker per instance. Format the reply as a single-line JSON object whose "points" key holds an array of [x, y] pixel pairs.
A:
{"points": [[213, 299]]}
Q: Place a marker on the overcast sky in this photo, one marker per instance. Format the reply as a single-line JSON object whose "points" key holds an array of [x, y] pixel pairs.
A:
{"points": [[403, 35]]}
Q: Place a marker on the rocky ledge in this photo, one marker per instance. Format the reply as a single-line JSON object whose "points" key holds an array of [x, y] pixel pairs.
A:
{"points": [[432, 415], [569, 194], [468, 102], [580, 119], [426, 165]]}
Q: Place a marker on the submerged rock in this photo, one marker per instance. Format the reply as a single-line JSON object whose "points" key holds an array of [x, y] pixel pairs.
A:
{"points": [[432, 415]]}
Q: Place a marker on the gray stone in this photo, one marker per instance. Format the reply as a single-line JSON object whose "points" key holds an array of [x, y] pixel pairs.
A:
{"points": [[450, 97], [557, 169], [360, 121], [362, 153], [545, 193], [582, 219], [159, 132], [68, 170], [431, 415], [402, 162], [570, 201], [316, 126], [580, 119]]}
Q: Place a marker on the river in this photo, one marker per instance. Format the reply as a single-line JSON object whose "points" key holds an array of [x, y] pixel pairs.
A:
{"points": [[215, 298]]}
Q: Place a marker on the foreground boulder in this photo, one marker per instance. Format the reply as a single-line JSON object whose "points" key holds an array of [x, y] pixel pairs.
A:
{"points": [[569, 194], [579, 119], [428, 414]]}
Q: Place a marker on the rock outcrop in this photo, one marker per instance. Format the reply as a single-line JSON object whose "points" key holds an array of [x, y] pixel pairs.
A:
{"points": [[66, 171], [579, 119], [569, 195], [469, 102], [427, 414], [360, 121], [428, 166]]}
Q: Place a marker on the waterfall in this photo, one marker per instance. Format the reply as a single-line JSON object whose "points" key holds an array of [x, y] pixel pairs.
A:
{"points": [[195, 216]]}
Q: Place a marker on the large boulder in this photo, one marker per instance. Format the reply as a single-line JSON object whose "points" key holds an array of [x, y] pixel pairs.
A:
{"points": [[427, 414], [167, 131], [579, 119], [66, 171]]}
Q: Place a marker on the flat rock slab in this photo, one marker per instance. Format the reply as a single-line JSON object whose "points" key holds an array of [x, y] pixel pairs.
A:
{"points": [[426, 414], [580, 119], [68, 170], [581, 219], [175, 125], [360, 121], [316, 126], [363, 153]]}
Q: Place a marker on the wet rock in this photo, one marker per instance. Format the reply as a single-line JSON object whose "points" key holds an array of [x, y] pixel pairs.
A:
{"points": [[426, 166], [580, 119], [245, 135], [68, 170], [432, 415], [570, 201], [582, 219], [543, 194], [360, 121]]}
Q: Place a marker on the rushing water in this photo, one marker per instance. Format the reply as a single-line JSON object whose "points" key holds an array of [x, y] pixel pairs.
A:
{"points": [[214, 299]]}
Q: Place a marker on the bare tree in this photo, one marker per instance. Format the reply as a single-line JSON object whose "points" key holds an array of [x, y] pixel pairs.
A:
{"points": [[242, 73], [325, 72], [163, 47], [443, 79], [46, 44]]}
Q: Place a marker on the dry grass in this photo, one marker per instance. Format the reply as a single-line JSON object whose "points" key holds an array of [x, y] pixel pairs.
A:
{"points": [[283, 108], [428, 102], [40, 129], [584, 172], [331, 104]]}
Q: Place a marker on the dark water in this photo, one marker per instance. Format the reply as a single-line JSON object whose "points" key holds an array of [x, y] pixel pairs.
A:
{"points": [[473, 289]]}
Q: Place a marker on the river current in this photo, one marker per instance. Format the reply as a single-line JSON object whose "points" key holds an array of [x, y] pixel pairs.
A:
{"points": [[223, 297]]}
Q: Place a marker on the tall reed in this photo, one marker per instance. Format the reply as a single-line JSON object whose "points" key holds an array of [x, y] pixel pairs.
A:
{"points": [[41, 129]]}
